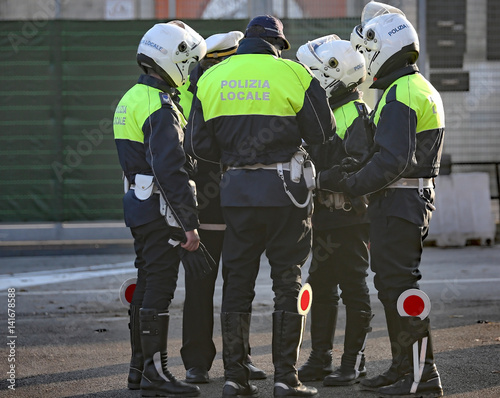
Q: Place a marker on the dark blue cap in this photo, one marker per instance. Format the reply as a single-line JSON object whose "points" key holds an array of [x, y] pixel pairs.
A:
{"points": [[272, 25]]}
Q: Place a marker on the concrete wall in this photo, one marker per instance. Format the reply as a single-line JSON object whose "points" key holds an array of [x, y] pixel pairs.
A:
{"points": [[463, 210]]}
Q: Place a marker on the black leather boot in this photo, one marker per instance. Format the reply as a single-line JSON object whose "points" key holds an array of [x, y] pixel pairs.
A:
{"points": [[235, 334], [352, 365], [323, 323], [288, 328], [416, 384], [255, 372], [137, 360], [399, 366], [157, 381]]}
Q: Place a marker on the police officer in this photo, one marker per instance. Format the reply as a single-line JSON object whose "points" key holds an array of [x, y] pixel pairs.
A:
{"points": [[198, 349], [409, 120], [251, 113], [148, 130], [340, 224]]}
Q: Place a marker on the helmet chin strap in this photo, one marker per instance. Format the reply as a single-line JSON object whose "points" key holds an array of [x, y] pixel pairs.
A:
{"points": [[331, 87], [372, 60], [182, 76]]}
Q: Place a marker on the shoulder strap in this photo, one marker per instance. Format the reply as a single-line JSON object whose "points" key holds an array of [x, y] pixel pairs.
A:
{"points": [[361, 108], [365, 115], [166, 100]]}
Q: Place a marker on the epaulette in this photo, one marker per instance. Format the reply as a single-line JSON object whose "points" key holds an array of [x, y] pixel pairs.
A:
{"points": [[365, 116], [361, 107], [166, 100]]}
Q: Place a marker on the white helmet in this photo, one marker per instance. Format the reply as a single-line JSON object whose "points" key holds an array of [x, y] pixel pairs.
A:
{"points": [[372, 9], [388, 41], [170, 49], [334, 63]]}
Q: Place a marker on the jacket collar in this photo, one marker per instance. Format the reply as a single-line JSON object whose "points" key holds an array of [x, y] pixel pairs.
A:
{"points": [[156, 83], [338, 102], [255, 45], [384, 82]]}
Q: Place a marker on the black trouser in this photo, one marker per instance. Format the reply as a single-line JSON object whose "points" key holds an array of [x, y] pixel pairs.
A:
{"points": [[340, 258], [198, 349], [395, 254], [157, 265], [284, 233]]}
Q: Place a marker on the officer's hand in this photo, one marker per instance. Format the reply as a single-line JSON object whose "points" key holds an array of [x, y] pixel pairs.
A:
{"points": [[192, 241], [350, 164], [331, 179], [197, 264]]}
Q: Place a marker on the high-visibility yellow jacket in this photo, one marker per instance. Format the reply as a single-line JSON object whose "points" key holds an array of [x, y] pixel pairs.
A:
{"points": [[353, 139], [255, 107], [409, 133], [148, 135]]}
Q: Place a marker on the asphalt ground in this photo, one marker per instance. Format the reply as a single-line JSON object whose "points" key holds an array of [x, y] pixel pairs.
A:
{"points": [[70, 336]]}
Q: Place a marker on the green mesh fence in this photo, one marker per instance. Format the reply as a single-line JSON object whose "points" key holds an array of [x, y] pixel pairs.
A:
{"points": [[59, 84]]}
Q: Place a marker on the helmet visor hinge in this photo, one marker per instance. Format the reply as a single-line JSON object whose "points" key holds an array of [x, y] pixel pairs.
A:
{"points": [[333, 63]]}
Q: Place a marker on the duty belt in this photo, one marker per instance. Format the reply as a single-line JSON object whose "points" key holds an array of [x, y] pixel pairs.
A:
{"points": [[257, 166], [280, 167], [416, 183], [213, 227], [419, 183]]}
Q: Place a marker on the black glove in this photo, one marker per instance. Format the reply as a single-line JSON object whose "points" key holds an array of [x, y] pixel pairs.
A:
{"points": [[332, 179], [198, 263], [191, 166], [350, 164]]}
